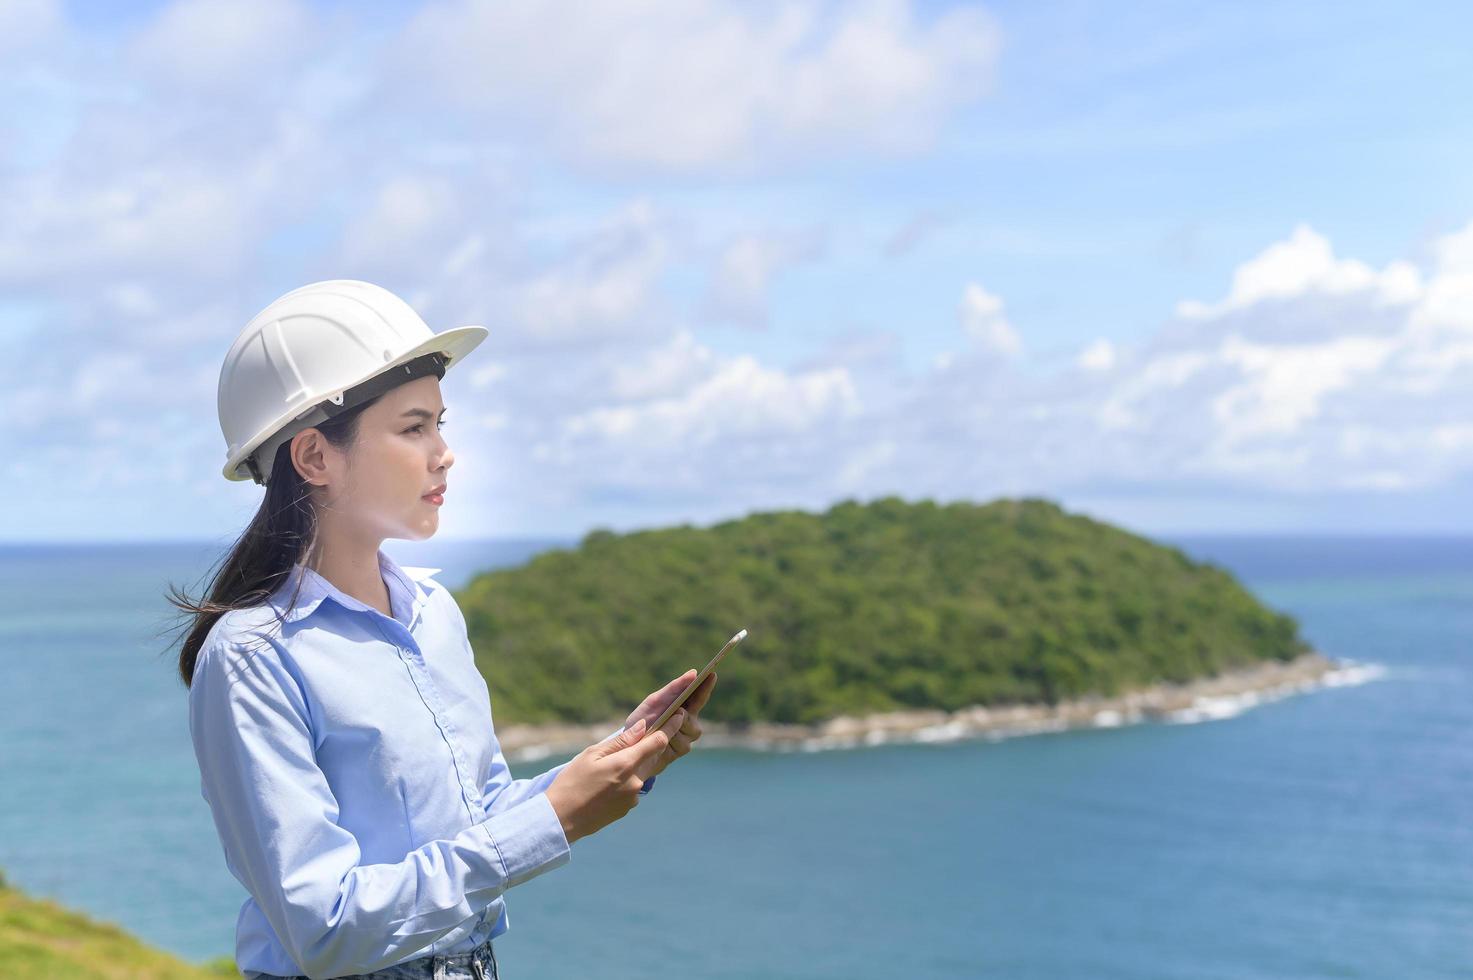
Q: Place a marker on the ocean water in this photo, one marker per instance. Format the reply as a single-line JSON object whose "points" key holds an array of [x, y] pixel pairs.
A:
{"points": [[1328, 834]]}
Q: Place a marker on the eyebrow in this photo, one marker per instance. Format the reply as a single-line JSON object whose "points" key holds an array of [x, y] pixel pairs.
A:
{"points": [[421, 413]]}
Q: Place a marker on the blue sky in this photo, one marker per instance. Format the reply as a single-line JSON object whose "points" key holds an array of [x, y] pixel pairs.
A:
{"points": [[1203, 268]]}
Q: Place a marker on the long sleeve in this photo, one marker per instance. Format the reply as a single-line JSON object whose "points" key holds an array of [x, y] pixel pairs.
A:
{"points": [[501, 792], [277, 820]]}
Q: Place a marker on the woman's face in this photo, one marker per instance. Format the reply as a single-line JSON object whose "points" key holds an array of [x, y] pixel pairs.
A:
{"points": [[378, 488]]}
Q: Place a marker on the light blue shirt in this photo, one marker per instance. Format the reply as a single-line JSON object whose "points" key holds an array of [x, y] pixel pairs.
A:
{"points": [[356, 781]]}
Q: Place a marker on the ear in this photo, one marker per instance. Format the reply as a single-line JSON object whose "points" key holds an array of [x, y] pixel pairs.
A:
{"points": [[310, 458]]}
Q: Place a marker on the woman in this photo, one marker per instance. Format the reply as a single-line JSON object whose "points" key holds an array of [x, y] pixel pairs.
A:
{"points": [[343, 732]]}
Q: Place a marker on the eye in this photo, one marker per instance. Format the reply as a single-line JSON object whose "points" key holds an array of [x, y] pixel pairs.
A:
{"points": [[421, 425]]}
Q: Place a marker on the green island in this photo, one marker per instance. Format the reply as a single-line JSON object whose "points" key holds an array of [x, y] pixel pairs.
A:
{"points": [[39, 938], [887, 606]]}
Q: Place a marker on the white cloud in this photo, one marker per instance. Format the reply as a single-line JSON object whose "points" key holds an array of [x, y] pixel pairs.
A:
{"points": [[856, 471], [913, 232], [1305, 263], [593, 281], [133, 300], [410, 220], [1285, 384], [1157, 378], [1446, 303], [741, 398], [486, 372], [172, 199], [605, 286], [694, 83], [1340, 379], [662, 371], [27, 23], [228, 151], [984, 321], [214, 46], [51, 229], [1098, 356], [746, 267]]}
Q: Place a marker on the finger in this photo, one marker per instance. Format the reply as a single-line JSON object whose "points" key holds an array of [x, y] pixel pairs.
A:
{"points": [[678, 684], [654, 705], [648, 750], [640, 747], [625, 741], [657, 702], [672, 728], [701, 695], [664, 694]]}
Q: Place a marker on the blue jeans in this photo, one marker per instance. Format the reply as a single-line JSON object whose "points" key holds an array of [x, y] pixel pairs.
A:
{"points": [[478, 964]]}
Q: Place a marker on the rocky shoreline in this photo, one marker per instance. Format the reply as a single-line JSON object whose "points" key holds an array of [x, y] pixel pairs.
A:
{"points": [[1203, 699]]}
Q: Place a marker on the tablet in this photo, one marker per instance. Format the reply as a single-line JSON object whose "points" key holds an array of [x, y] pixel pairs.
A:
{"points": [[665, 716]]}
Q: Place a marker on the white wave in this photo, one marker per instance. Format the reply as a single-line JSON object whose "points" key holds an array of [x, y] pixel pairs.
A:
{"points": [[1354, 672], [532, 753], [1039, 727], [946, 732], [1212, 709], [1227, 706], [1202, 709]]}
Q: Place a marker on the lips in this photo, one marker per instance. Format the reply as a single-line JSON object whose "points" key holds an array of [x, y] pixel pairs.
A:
{"points": [[437, 492]]}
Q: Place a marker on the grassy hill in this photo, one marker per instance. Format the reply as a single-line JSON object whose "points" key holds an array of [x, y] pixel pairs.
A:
{"points": [[42, 940], [871, 607]]}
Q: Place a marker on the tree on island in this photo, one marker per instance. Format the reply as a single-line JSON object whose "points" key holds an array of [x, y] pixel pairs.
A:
{"points": [[864, 608]]}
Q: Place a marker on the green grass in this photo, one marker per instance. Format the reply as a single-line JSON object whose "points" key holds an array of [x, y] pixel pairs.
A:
{"points": [[44, 940]]}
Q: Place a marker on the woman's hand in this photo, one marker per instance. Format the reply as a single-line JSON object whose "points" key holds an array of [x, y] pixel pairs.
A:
{"points": [[653, 706], [601, 784]]}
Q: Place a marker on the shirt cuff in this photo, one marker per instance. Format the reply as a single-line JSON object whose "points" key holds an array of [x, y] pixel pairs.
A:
{"points": [[528, 839]]}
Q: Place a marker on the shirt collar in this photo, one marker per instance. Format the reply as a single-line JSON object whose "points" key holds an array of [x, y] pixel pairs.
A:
{"points": [[402, 582]]}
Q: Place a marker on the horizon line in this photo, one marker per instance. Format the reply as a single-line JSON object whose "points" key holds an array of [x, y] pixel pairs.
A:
{"points": [[1358, 534]]}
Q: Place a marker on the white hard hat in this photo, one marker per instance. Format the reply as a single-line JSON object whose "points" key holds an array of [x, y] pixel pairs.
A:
{"points": [[292, 365]]}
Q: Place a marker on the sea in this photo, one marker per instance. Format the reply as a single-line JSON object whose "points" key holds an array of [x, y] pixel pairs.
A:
{"points": [[1327, 834]]}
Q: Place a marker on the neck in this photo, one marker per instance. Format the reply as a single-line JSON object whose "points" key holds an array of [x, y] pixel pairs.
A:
{"points": [[350, 563]]}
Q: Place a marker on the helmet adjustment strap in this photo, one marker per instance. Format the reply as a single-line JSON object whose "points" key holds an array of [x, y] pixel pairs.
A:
{"points": [[431, 363]]}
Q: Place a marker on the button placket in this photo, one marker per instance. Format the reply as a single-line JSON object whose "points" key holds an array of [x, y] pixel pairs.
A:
{"points": [[442, 716], [420, 675], [470, 793]]}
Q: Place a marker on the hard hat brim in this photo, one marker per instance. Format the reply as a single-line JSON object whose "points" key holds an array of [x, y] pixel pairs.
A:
{"points": [[455, 343]]}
